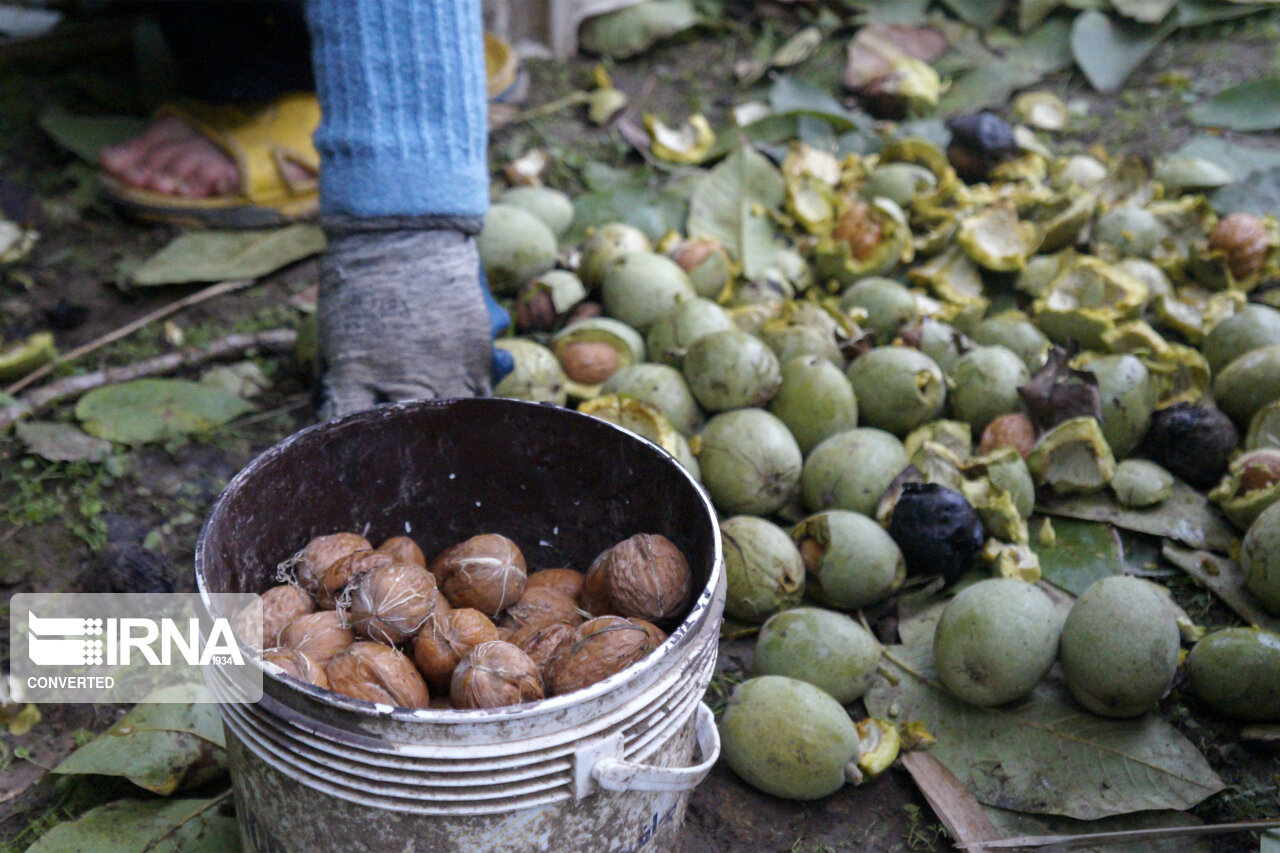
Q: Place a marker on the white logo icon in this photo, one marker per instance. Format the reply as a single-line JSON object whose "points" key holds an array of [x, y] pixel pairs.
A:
{"points": [[49, 645]]}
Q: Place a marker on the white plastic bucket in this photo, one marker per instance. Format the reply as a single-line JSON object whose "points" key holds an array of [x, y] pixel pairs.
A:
{"points": [[607, 768]]}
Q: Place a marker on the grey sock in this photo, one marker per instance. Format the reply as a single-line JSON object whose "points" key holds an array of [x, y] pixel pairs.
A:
{"points": [[401, 315]]}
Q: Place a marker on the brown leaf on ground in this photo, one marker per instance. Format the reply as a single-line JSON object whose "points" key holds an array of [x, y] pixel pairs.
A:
{"points": [[876, 47]]}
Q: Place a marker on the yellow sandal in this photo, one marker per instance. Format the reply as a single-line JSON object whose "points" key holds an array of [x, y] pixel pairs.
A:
{"points": [[260, 141]]}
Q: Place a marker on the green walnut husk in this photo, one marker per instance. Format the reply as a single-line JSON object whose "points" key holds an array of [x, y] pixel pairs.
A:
{"points": [[834, 258], [1248, 383], [1128, 394], [790, 341], [984, 385], [1264, 428], [955, 436], [552, 207], [901, 183], [763, 569], [644, 420], [1014, 331], [1252, 484], [731, 369], [1191, 174], [850, 560], [952, 277], [1087, 300], [750, 463], [1072, 458], [626, 341], [1138, 483], [1236, 672], [1119, 647], [536, 376], [788, 738], [1126, 232], [640, 287], [827, 649], [563, 287], [898, 388], [1251, 327], [1193, 311], [996, 239], [890, 307], [851, 470], [662, 387], [995, 641], [605, 245], [1260, 558], [670, 337], [1006, 469], [942, 343], [815, 401], [515, 246]]}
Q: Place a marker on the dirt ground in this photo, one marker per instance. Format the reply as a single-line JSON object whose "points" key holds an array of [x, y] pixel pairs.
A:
{"points": [[61, 523]]}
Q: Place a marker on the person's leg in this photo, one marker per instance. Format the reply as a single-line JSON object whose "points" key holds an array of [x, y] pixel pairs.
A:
{"points": [[404, 188], [225, 52]]}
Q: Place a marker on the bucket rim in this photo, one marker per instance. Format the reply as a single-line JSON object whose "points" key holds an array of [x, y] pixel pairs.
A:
{"points": [[700, 610]]}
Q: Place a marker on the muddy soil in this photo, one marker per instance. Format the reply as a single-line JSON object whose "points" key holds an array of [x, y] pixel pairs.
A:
{"points": [[58, 520]]}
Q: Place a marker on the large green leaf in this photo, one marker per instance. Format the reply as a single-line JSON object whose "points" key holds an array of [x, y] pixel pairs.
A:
{"points": [[161, 748], [155, 826], [990, 79], [1185, 516], [1146, 11], [1045, 754], [795, 97], [635, 29], [983, 14], [1254, 105], [1018, 824], [86, 136], [1240, 160], [1226, 579], [1107, 50], [151, 409], [225, 255], [61, 442], [655, 212], [1083, 552], [1258, 193], [732, 205]]}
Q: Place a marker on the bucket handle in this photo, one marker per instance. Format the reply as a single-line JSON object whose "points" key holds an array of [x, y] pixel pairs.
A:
{"points": [[614, 774]]}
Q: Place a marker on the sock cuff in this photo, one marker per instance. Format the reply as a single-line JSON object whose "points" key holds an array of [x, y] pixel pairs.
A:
{"points": [[404, 107]]}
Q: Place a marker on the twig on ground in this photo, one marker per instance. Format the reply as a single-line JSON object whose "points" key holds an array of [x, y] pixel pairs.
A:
{"points": [[73, 386], [951, 801], [128, 329]]}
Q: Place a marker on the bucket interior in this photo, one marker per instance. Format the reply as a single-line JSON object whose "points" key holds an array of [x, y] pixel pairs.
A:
{"points": [[563, 485]]}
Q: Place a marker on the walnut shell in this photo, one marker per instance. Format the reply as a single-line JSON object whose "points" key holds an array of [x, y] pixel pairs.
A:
{"points": [[857, 228], [319, 636], [280, 606], [542, 642], [594, 597], [1245, 241], [297, 665], [321, 553], [495, 674], [657, 636], [392, 603], [405, 550], [486, 572], [566, 581], [541, 606], [589, 362], [342, 573], [1013, 430], [647, 577], [444, 640], [377, 673], [600, 647]]}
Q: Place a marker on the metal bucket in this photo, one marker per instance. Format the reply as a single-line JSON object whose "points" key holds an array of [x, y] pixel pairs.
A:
{"points": [[607, 768]]}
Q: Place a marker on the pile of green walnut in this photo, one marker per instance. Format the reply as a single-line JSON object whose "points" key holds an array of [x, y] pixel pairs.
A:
{"points": [[941, 340], [471, 628]]}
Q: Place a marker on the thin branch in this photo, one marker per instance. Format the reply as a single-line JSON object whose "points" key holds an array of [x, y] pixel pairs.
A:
{"points": [[73, 386], [128, 329]]}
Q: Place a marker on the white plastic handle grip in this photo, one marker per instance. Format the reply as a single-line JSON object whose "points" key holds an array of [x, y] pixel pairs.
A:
{"points": [[614, 774]]}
